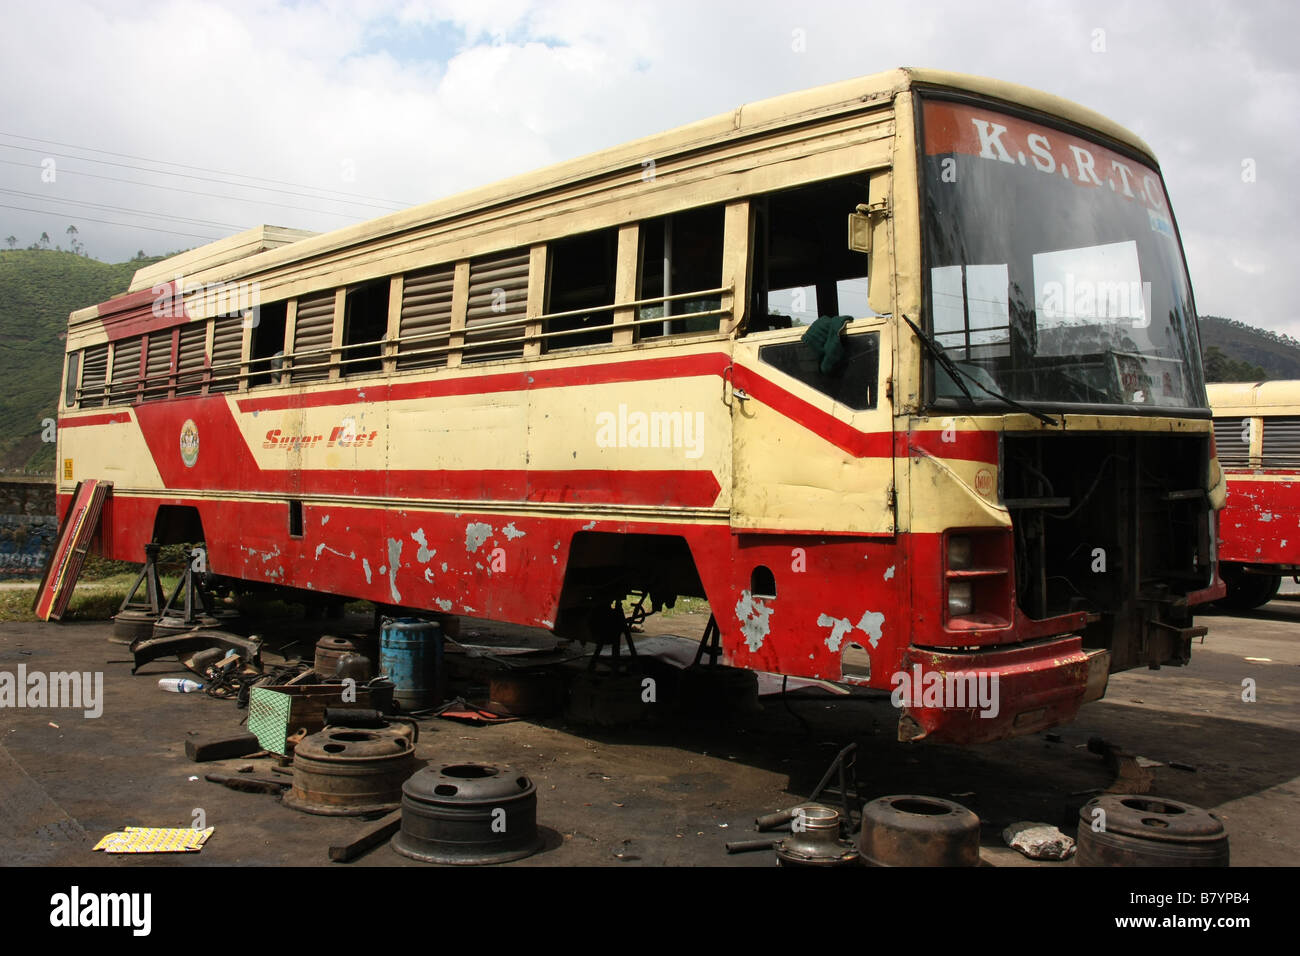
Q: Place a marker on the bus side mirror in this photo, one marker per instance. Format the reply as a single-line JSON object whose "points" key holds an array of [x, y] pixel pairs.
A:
{"points": [[860, 230]]}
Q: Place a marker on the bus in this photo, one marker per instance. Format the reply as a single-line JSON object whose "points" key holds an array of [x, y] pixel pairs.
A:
{"points": [[1257, 432], [901, 374]]}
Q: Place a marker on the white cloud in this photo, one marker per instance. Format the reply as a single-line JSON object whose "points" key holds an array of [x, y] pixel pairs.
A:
{"points": [[423, 98]]}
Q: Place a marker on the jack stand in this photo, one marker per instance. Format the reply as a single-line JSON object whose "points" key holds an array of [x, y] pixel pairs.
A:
{"points": [[710, 643], [194, 611], [844, 760], [138, 614], [616, 630]]}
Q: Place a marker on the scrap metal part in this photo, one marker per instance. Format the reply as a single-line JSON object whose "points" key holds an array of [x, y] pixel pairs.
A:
{"points": [[351, 771], [468, 814], [132, 624], [1118, 829], [911, 830], [329, 652], [814, 839], [174, 645]]}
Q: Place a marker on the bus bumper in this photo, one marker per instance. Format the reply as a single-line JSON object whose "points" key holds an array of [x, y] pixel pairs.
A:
{"points": [[1018, 690]]}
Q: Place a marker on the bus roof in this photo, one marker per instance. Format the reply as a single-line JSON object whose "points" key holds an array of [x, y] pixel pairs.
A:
{"points": [[1278, 398], [207, 262]]}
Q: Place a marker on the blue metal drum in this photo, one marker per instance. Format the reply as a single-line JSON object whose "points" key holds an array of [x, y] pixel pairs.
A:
{"points": [[410, 653]]}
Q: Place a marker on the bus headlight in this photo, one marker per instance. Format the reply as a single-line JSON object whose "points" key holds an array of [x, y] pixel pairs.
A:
{"points": [[961, 599]]}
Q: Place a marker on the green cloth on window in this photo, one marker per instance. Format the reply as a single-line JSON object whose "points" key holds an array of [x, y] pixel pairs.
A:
{"points": [[823, 337]]}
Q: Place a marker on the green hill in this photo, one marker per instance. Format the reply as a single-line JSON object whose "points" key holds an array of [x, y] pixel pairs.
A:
{"points": [[38, 288], [1249, 354]]}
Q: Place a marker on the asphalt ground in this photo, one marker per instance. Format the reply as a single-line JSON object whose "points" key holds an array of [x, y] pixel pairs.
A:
{"points": [[666, 792]]}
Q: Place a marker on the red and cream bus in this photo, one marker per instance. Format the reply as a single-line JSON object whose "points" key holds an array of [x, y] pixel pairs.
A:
{"points": [[1257, 431], [989, 453]]}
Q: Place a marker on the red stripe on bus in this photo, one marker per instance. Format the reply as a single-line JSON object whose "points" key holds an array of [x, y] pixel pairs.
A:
{"points": [[964, 446], [842, 435], [580, 486], [115, 418], [142, 312]]}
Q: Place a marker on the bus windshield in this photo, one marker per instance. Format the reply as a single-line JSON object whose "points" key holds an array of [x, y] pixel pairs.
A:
{"points": [[1053, 272]]}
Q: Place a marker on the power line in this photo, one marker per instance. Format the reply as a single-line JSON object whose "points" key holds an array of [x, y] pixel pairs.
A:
{"points": [[205, 169], [107, 222], [134, 212], [388, 206], [193, 192]]}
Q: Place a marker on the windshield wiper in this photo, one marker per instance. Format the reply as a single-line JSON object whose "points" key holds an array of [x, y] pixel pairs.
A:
{"points": [[956, 373]]}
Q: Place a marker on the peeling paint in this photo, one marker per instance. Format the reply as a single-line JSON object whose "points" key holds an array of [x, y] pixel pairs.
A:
{"points": [[840, 626], [588, 526], [324, 519], [753, 615], [394, 562], [511, 532], [444, 567], [476, 532], [445, 605], [469, 610], [424, 554], [428, 575], [266, 556], [889, 572], [870, 624], [351, 555], [365, 566]]}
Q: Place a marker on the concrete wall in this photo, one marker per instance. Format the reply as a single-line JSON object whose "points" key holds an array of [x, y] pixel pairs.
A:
{"points": [[27, 525]]}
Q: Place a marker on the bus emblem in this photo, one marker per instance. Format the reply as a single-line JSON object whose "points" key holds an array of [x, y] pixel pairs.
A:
{"points": [[984, 482], [189, 443]]}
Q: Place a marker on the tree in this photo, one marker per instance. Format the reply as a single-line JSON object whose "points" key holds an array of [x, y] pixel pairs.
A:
{"points": [[1223, 368], [12, 240], [72, 232], [44, 241]]}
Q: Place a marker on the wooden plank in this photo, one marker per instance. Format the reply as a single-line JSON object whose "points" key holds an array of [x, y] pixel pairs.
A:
{"points": [[201, 749], [378, 834]]}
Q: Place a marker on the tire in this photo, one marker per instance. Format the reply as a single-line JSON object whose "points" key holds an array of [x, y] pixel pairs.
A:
{"points": [[1247, 591]]}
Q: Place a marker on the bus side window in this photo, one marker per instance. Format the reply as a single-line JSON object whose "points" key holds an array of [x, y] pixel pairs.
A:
{"points": [[70, 388], [365, 323], [266, 352], [93, 377], [582, 270], [495, 311], [853, 382], [687, 246], [802, 268]]}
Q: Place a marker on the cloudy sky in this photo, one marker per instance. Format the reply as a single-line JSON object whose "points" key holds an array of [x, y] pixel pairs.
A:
{"points": [[159, 125]]}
